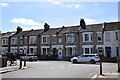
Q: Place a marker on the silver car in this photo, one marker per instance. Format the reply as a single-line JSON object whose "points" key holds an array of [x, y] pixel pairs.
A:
{"points": [[29, 58], [92, 58]]}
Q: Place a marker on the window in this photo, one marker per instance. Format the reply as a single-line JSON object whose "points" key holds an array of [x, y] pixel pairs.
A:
{"points": [[32, 50], [14, 41], [25, 40], [117, 51], [87, 37], [3, 42], [116, 34], [33, 39], [99, 37], [45, 39], [107, 36], [70, 38], [87, 49], [60, 39], [45, 51], [21, 40], [54, 38]]}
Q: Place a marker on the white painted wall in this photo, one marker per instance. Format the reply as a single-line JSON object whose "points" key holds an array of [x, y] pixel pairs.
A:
{"points": [[113, 42]]}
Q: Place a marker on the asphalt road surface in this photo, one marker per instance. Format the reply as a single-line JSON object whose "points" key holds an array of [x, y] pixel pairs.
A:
{"points": [[60, 69]]}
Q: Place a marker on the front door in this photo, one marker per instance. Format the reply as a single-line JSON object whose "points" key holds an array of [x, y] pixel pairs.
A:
{"points": [[108, 51], [59, 54]]}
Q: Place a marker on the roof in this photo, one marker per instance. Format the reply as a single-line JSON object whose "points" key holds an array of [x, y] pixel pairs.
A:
{"points": [[34, 32], [112, 26], [52, 31], [6, 35], [20, 34]]}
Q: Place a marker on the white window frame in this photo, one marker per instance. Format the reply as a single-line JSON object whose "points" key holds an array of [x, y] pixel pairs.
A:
{"points": [[34, 51], [34, 40], [47, 39], [46, 49], [88, 46], [98, 36], [90, 39], [6, 41], [73, 37], [15, 41]]}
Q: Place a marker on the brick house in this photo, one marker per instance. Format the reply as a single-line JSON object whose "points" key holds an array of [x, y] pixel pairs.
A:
{"points": [[6, 39], [69, 41]]}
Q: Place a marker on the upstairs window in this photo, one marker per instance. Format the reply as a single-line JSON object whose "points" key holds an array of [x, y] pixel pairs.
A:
{"points": [[45, 39], [33, 40], [70, 38], [14, 41], [4, 41], [25, 40], [54, 38], [99, 37], [87, 37], [107, 36], [21, 40], [116, 35]]}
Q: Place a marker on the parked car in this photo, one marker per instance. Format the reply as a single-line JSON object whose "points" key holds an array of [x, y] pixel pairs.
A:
{"points": [[92, 58], [29, 58]]}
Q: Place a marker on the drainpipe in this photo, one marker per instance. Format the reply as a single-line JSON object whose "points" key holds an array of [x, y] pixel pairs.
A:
{"points": [[118, 55]]}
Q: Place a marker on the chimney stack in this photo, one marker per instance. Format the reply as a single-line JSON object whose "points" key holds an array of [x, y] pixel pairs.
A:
{"points": [[82, 24], [46, 27], [19, 29]]}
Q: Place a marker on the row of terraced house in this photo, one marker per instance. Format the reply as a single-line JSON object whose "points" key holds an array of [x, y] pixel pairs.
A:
{"points": [[65, 42]]}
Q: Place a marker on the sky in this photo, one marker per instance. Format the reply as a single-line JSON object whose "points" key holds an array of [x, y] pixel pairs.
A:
{"points": [[33, 15]]}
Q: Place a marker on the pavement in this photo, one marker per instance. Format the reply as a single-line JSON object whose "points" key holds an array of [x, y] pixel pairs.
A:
{"points": [[10, 69], [112, 75]]}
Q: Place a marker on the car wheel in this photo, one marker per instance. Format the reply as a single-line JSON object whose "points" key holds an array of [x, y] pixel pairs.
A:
{"points": [[30, 59], [75, 61], [92, 61]]}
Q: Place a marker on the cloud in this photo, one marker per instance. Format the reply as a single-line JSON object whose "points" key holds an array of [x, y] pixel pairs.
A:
{"points": [[25, 21], [4, 4], [73, 6], [66, 5]]}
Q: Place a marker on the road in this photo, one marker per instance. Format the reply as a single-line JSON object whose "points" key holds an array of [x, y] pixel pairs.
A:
{"points": [[60, 69]]}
